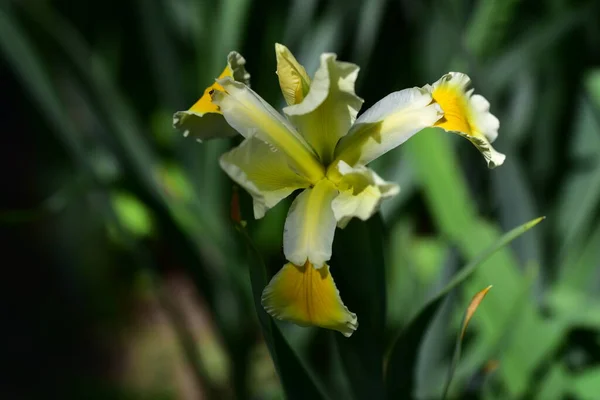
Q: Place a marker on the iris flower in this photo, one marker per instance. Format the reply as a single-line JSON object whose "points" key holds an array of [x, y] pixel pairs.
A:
{"points": [[320, 148]]}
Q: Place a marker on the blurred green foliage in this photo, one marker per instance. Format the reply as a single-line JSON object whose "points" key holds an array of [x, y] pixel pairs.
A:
{"points": [[144, 290]]}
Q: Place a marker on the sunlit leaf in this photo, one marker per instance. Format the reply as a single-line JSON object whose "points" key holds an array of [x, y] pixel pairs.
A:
{"points": [[133, 214], [586, 385]]}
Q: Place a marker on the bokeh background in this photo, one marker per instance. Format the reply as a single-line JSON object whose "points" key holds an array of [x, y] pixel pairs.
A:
{"points": [[125, 278]]}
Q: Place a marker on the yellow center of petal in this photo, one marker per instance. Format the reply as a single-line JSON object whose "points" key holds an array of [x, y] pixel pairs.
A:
{"points": [[457, 112], [308, 296], [204, 104]]}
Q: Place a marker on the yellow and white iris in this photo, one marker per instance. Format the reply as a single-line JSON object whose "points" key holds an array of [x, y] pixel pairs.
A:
{"points": [[321, 148]]}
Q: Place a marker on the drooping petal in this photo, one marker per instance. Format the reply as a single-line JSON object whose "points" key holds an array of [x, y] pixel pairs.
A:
{"points": [[310, 226], [212, 125], [361, 192], [467, 115], [329, 108], [308, 296], [293, 79], [263, 171], [387, 124], [250, 115]]}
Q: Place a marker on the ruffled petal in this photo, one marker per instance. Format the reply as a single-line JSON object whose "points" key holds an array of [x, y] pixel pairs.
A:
{"points": [[250, 115], [263, 171], [329, 108], [361, 192], [310, 226], [308, 296], [387, 124], [466, 114], [212, 125]]}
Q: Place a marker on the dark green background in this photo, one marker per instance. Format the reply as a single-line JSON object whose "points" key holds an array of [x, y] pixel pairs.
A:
{"points": [[123, 276]]}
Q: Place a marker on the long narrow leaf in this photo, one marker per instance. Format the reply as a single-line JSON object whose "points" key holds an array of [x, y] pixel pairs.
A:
{"points": [[358, 269], [296, 379]]}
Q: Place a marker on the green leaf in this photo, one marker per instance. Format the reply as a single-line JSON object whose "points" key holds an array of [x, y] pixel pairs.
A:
{"points": [[455, 214], [402, 357], [358, 270], [554, 384], [586, 385], [296, 379]]}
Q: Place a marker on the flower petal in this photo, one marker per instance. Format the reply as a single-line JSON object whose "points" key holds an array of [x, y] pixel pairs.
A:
{"points": [[310, 225], [191, 121], [467, 115], [387, 124], [329, 108], [308, 296], [293, 79], [250, 115], [263, 171], [361, 193]]}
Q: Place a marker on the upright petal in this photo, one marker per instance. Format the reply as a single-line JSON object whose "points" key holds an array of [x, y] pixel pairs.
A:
{"points": [[387, 124], [263, 171], [467, 115], [310, 226], [361, 192], [191, 121], [329, 108], [293, 79], [308, 296], [250, 115]]}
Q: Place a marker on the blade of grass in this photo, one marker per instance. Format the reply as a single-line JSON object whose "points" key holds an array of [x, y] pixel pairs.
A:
{"points": [[454, 213], [403, 353], [475, 302]]}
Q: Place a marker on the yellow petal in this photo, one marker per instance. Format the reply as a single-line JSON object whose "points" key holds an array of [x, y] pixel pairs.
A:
{"points": [[308, 296], [203, 119], [293, 79], [467, 115], [456, 109]]}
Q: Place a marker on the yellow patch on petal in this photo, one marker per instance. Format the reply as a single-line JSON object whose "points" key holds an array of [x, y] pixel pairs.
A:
{"points": [[455, 104], [308, 296], [467, 114], [204, 104]]}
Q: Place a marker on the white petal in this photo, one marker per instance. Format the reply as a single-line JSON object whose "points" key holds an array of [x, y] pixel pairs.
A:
{"points": [[486, 122], [263, 171], [250, 115], [388, 124], [310, 226], [329, 108], [361, 193]]}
